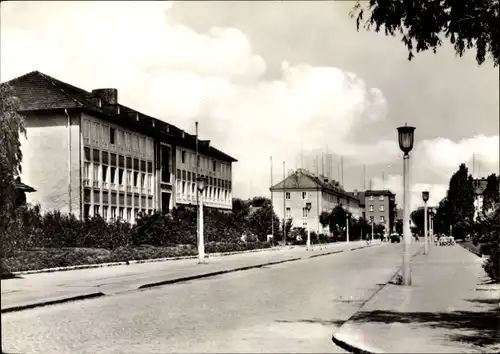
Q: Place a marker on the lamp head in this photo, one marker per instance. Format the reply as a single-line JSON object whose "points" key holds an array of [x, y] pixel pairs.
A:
{"points": [[201, 183], [425, 196], [308, 206], [405, 138]]}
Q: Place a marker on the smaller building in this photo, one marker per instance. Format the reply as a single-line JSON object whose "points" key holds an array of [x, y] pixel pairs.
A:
{"points": [[293, 195], [380, 207]]}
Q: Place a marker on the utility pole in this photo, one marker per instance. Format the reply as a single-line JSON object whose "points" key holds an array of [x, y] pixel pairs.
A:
{"points": [[196, 179], [272, 206], [284, 205], [364, 178], [342, 170]]}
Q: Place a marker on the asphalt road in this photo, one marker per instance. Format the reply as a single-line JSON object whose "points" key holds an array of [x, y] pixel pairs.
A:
{"points": [[291, 307]]}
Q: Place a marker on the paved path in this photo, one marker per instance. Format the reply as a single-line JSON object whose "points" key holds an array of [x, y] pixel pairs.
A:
{"points": [[449, 308], [290, 307], [45, 287]]}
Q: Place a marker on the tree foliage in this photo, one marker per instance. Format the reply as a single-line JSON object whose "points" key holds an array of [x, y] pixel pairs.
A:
{"points": [[260, 222], [491, 195], [422, 24], [461, 202], [11, 128]]}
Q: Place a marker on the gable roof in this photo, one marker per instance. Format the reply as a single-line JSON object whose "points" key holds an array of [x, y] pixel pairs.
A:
{"points": [[37, 91], [303, 180], [372, 192]]}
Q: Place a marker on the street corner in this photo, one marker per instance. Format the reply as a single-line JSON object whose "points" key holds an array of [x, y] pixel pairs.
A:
{"points": [[356, 338]]}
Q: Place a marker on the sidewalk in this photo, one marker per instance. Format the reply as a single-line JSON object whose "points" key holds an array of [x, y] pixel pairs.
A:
{"points": [[449, 308], [33, 290]]}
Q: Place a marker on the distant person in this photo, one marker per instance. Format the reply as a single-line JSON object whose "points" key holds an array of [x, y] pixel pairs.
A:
{"points": [[416, 237]]}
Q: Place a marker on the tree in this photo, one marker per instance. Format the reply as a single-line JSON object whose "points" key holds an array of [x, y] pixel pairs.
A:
{"points": [[461, 202], [261, 221], [442, 219], [324, 219], [241, 209], [399, 226], [11, 128], [491, 195], [417, 216], [260, 201], [465, 23]]}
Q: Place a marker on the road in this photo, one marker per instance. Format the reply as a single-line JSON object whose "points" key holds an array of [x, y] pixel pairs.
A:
{"points": [[290, 307]]}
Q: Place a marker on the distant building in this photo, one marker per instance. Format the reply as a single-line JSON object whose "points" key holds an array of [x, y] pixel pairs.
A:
{"points": [[290, 198], [380, 207], [480, 185], [90, 155]]}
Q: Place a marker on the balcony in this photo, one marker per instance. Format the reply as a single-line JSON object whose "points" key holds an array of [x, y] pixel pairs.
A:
{"points": [[105, 185], [121, 188], [95, 184], [86, 182], [113, 186], [129, 188]]}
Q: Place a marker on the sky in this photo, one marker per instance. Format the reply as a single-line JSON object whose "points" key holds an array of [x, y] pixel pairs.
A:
{"points": [[291, 80]]}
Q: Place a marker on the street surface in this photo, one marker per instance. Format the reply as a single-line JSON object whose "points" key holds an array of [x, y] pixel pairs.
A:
{"points": [[290, 307], [42, 287]]}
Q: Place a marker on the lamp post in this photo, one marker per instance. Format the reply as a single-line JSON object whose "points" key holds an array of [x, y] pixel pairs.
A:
{"points": [[373, 223], [308, 244], [405, 138], [347, 228], [201, 184], [425, 198], [431, 228]]}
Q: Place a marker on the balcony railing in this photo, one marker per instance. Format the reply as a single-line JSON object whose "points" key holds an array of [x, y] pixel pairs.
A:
{"points": [[86, 182], [121, 187], [95, 184], [104, 184], [113, 186]]}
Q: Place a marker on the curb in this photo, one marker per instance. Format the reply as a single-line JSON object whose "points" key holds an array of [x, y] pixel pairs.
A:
{"points": [[471, 251], [140, 261], [349, 347], [212, 274], [53, 302]]}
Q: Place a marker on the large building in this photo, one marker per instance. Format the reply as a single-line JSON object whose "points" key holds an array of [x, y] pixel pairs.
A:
{"points": [[480, 185], [290, 198], [380, 207], [87, 154]]}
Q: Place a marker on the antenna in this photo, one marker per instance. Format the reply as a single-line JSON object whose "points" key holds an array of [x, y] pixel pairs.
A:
{"points": [[272, 207], [473, 165], [322, 164], [284, 205], [302, 155], [342, 170], [364, 177]]}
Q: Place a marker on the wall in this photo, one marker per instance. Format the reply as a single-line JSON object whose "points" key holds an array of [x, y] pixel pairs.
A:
{"points": [[45, 161], [376, 213], [296, 203]]}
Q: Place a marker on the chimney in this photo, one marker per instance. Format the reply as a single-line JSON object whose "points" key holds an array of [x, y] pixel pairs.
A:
{"points": [[109, 95]]}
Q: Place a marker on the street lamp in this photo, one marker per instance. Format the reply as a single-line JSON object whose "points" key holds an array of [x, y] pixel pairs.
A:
{"points": [[373, 224], [347, 227], [431, 228], [425, 198], [308, 245], [405, 138], [201, 184]]}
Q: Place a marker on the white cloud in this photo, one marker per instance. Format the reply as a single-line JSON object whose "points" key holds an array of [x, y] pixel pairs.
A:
{"points": [[179, 75]]}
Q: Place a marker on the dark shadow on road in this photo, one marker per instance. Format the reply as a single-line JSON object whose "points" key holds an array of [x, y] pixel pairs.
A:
{"points": [[336, 323], [479, 328], [11, 276]]}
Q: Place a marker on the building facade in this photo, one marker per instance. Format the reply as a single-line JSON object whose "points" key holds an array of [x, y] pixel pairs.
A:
{"points": [[380, 207], [89, 155], [292, 195]]}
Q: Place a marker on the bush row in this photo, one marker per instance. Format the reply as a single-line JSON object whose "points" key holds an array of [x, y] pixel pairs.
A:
{"points": [[42, 258]]}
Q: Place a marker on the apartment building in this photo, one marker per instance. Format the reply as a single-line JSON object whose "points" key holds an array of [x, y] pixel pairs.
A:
{"points": [[380, 207], [291, 196], [89, 155]]}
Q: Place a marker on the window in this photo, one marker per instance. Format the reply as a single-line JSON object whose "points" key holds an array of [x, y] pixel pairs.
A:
{"points": [[381, 197], [104, 172], [105, 212], [304, 212], [112, 136], [120, 212], [128, 144], [183, 191], [121, 138], [129, 214], [96, 172], [287, 195], [198, 162], [136, 179], [129, 178], [113, 174], [150, 183], [120, 176], [382, 219], [288, 213], [96, 209], [183, 156], [214, 165], [304, 195], [381, 208], [86, 170], [113, 213], [143, 180], [370, 198], [371, 207]]}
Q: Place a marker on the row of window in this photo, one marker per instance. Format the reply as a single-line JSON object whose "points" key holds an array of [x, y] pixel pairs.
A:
{"points": [[381, 208], [211, 181], [113, 212], [126, 141], [113, 159], [381, 198], [382, 219], [103, 174], [187, 160], [189, 189]]}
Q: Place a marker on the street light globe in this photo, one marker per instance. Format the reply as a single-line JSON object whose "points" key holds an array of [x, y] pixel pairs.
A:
{"points": [[405, 137], [425, 196], [201, 183], [308, 206]]}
